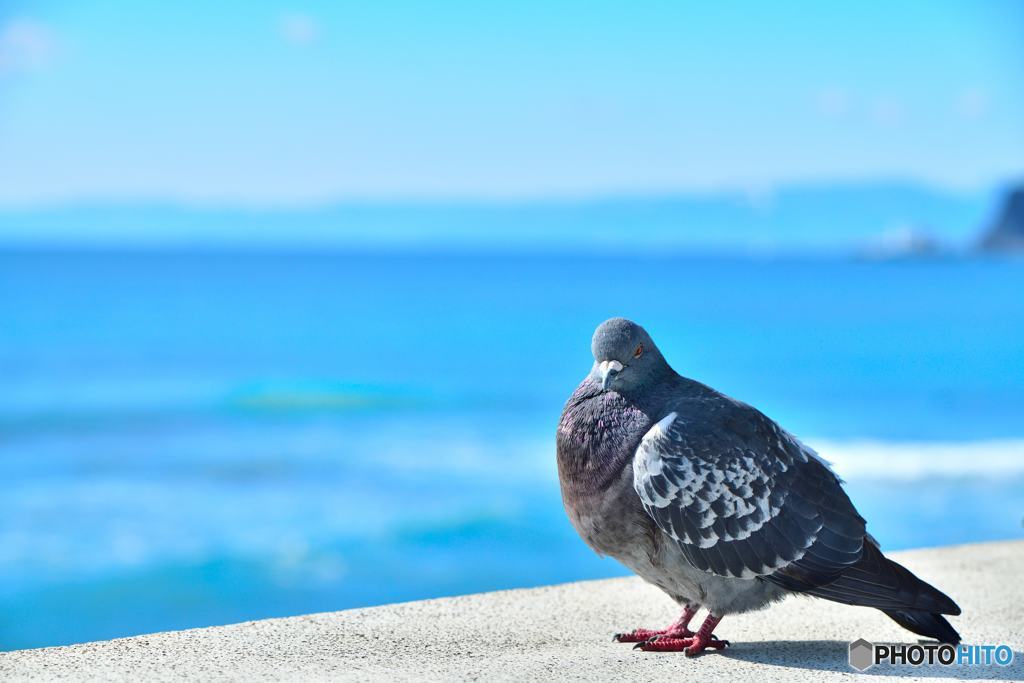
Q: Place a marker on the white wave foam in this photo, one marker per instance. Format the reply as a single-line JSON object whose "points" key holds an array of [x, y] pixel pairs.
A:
{"points": [[920, 460]]}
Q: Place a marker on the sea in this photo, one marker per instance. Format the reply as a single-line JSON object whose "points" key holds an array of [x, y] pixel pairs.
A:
{"points": [[190, 438]]}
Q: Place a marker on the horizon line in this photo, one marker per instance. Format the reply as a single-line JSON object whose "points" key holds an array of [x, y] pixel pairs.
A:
{"points": [[752, 192]]}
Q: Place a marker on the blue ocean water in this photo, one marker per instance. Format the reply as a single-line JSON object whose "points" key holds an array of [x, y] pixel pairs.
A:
{"points": [[190, 439]]}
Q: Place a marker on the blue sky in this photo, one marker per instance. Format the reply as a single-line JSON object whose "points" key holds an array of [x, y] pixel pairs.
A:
{"points": [[280, 104]]}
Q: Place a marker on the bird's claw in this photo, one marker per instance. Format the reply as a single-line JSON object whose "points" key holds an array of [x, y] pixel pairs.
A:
{"points": [[690, 646], [636, 636], [699, 647], [663, 643]]}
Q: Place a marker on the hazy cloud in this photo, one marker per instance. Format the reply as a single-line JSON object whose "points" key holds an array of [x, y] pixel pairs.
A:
{"points": [[886, 111], [299, 29], [25, 45], [972, 103], [833, 101]]}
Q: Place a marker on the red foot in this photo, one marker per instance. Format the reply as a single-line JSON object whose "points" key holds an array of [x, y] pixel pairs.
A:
{"points": [[689, 646], [677, 629], [663, 644], [642, 635], [694, 645], [701, 643]]}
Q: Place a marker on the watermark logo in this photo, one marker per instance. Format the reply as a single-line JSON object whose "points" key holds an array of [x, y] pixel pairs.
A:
{"points": [[865, 654], [862, 654]]}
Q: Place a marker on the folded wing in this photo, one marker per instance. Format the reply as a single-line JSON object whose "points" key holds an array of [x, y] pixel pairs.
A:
{"points": [[743, 498]]}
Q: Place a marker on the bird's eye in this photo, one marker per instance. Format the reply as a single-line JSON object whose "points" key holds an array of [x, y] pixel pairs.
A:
{"points": [[639, 350]]}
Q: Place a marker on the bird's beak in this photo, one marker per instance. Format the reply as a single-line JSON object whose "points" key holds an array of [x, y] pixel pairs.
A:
{"points": [[606, 370]]}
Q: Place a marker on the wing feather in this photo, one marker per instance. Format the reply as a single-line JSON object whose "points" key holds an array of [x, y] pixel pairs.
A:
{"points": [[743, 498]]}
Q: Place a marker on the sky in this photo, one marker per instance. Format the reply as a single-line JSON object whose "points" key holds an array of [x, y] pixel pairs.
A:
{"points": [[265, 104]]}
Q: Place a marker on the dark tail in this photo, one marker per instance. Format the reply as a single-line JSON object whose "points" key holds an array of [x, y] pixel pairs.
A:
{"points": [[927, 624], [876, 581]]}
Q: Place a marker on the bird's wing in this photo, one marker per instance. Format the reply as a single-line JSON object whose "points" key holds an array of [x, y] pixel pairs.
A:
{"points": [[744, 498]]}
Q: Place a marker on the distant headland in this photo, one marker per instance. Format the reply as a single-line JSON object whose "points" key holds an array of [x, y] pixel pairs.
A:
{"points": [[872, 220], [1007, 233]]}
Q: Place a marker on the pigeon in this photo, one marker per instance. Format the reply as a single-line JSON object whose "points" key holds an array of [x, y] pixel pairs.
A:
{"points": [[714, 503]]}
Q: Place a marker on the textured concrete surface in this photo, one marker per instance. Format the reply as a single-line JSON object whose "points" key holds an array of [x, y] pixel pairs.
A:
{"points": [[558, 632]]}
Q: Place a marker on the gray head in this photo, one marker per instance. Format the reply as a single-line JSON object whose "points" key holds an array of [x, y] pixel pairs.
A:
{"points": [[625, 357]]}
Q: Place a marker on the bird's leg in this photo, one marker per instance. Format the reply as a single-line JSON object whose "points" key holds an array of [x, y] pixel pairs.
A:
{"points": [[677, 629], [702, 640]]}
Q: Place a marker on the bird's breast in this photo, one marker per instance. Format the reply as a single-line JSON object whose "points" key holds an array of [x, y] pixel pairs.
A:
{"points": [[597, 439], [597, 436]]}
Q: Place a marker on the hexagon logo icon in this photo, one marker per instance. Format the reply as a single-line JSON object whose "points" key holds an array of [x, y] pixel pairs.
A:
{"points": [[861, 654]]}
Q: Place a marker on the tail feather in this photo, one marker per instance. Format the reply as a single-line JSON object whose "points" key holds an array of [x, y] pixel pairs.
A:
{"points": [[927, 624], [876, 581]]}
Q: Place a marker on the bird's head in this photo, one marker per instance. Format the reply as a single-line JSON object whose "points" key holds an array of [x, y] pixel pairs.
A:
{"points": [[625, 357]]}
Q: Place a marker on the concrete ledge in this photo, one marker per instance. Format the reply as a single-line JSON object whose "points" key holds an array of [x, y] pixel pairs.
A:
{"points": [[557, 632]]}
